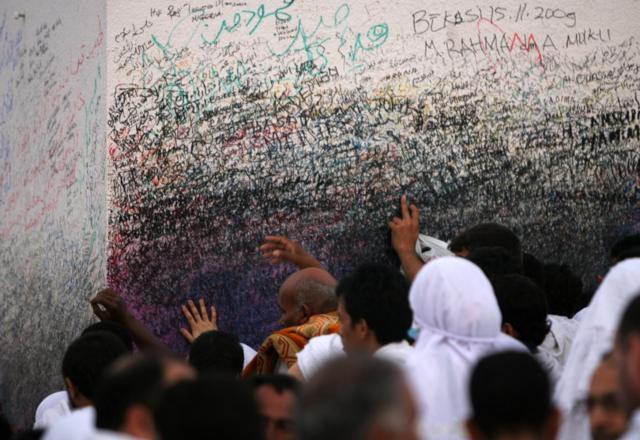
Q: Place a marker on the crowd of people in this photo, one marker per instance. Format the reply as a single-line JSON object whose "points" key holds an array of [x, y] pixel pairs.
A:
{"points": [[470, 339]]}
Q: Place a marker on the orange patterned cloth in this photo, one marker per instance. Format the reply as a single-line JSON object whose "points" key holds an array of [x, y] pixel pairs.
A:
{"points": [[286, 343]]}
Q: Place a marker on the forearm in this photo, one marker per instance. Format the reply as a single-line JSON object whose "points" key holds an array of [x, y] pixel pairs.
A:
{"points": [[142, 336], [411, 263], [308, 261]]}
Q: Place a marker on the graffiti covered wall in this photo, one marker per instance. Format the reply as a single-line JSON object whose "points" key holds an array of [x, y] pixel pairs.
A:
{"points": [[52, 189], [232, 120]]}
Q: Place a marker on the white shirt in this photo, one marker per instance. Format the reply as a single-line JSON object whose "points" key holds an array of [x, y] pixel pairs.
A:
{"points": [[52, 408], [396, 352], [100, 434], [249, 354], [78, 425], [318, 351], [554, 350], [325, 347]]}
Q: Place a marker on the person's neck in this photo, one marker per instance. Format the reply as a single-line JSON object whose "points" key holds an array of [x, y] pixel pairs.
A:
{"points": [[80, 402]]}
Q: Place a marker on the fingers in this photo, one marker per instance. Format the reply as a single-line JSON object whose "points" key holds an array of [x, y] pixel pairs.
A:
{"points": [[203, 309], [269, 247], [279, 239], [404, 208], [214, 317], [188, 336], [187, 314], [101, 314], [105, 301], [415, 213], [194, 311]]}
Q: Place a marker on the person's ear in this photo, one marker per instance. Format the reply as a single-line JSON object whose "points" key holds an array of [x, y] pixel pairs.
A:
{"points": [[472, 429], [633, 350], [138, 422], [361, 329], [553, 425], [305, 313], [509, 330], [72, 391]]}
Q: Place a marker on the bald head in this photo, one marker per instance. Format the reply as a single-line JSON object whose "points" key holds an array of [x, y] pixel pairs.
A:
{"points": [[306, 293]]}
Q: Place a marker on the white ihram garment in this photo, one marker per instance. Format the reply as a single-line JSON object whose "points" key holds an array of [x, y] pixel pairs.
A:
{"points": [[594, 339], [459, 320]]}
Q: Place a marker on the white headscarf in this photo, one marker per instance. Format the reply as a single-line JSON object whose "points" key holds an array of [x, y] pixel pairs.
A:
{"points": [[594, 339], [457, 313]]}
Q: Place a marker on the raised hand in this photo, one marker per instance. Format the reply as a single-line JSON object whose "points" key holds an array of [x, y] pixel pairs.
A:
{"points": [[278, 249], [108, 305], [198, 319], [404, 235], [405, 230]]}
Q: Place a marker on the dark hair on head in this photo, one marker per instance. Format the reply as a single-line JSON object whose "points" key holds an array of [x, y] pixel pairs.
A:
{"points": [[621, 249], [488, 235], [88, 357], [217, 352], [633, 252], [280, 382], [494, 261], [563, 289], [533, 268], [379, 294], [510, 394], [213, 406], [136, 380], [630, 321], [29, 434], [118, 330], [524, 306], [347, 395], [5, 428]]}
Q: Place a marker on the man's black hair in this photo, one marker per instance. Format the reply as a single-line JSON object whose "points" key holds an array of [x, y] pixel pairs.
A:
{"points": [[88, 357], [280, 382], [533, 268], [630, 321], [524, 306], [29, 434], [494, 261], [133, 381], [118, 330], [379, 294], [215, 406], [488, 235], [5, 428], [563, 289], [620, 250], [632, 252], [510, 394], [217, 352]]}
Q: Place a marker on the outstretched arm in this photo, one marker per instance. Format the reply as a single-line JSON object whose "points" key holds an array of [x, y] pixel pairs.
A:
{"points": [[278, 249], [404, 235], [108, 305]]}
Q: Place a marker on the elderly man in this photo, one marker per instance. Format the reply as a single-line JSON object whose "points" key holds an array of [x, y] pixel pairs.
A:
{"points": [[306, 299], [308, 303]]}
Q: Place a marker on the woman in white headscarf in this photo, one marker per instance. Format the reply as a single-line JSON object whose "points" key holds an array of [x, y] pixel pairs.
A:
{"points": [[459, 322], [594, 339]]}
